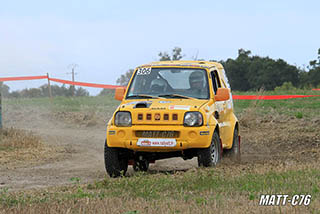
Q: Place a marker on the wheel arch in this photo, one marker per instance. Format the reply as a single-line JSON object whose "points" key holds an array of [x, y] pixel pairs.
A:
{"points": [[237, 126]]}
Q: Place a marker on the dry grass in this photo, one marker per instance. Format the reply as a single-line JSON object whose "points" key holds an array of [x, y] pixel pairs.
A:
{"points": [[196, 191], [86, 119], [138, 206], [18, 139], [18, 146], [248, 116], [280, 155], [281, 137], [278, 137]]}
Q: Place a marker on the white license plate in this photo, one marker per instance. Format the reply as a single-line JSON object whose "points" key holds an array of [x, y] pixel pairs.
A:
{"points": [[156, 142]]}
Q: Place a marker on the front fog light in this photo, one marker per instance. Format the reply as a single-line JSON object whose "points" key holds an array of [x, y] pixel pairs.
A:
{"points": [[123, 118], [193, 119]]}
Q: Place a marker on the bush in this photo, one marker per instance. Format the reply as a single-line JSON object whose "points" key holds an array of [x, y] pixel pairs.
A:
{"points": [[43, 91], [286, 86], [107, 92]]}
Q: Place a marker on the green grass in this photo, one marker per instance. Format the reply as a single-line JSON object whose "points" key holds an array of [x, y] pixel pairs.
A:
{"points": [[307, 107], [6, 148], [97, 103], [278, 92], [299, 107], [199, 186], [193, 184]]}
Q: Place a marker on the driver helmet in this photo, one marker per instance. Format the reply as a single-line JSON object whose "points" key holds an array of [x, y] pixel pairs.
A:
{"points": [[157, 85], [196, 78]]}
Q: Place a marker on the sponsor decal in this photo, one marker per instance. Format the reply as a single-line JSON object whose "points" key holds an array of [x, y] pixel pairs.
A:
{"points": [[112, 132], [135, 102], [157, 116], [163, 101], [155, 134], [158, 108], [204, 133], [156, 142], [179, 107], [144, 71], [145, 143], [219, 106], [223, 124]]}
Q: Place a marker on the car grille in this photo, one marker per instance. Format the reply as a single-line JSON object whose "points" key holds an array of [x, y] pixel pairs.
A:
{"points": [[157, 117], [157, 134]]}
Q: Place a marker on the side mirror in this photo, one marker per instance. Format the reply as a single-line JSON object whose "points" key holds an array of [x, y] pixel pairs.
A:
{"points": [[120, 93], [223, 94]]}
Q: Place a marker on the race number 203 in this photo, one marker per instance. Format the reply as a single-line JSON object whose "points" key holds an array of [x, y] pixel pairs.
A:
{"points": [[282, 200]]}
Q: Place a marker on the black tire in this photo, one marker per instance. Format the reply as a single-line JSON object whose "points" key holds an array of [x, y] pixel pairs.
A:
{"points": [[234, 153], [210, 156], [142, 165], [115, 161]]}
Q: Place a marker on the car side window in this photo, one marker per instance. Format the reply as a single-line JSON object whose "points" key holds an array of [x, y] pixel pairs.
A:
{"points": [[215, 81]]}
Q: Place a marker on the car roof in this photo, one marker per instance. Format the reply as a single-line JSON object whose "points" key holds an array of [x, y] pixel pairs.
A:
{"points": [[184, 63]]}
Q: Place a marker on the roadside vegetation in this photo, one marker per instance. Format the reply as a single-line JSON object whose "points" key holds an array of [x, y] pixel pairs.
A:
{"points": [[200, 190], [284, 163], [298, 107], [18, 139], [18, 147], [62, 103]]}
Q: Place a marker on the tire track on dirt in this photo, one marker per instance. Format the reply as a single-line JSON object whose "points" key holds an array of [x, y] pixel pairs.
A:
{"points": [[262, 144]]}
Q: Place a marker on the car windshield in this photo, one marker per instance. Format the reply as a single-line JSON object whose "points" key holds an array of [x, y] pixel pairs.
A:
{"points": [[179, 83]]}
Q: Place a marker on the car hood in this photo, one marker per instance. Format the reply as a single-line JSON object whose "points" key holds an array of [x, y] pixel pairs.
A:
{"points": [[160, 111]]}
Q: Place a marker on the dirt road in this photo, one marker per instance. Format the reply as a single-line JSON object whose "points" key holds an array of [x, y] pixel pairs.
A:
{"points": [[82, 154]]}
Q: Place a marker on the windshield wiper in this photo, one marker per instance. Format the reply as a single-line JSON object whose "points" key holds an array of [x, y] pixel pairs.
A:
{"points": [[175, 96], [143, 96]]}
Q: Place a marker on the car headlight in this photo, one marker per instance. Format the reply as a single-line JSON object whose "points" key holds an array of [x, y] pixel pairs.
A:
{"points": [[123, 118], [193, 119]]}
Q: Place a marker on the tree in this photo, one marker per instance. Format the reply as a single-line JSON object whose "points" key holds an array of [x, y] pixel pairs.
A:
{"points": [[237, 69], [30, 93], [176, 55], [81, 92], [56, 90], [314, 73], [42, 91], [124, 79], [164, 56], [5, 90], [315, 63], [313, 77], [106, 92], [248, 72]]}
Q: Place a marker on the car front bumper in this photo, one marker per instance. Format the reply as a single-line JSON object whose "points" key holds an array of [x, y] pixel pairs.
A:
{"points": [[185, 137]]}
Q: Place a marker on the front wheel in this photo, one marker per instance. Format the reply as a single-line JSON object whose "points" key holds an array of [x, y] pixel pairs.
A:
{"points": [[116, 162], [210, 156]]}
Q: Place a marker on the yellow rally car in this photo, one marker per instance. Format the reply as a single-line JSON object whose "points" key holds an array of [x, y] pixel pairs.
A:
{"points": [[172, 109]]}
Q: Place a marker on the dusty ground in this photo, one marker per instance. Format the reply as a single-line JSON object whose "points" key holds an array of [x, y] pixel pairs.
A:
{"points": [[77, 141]]}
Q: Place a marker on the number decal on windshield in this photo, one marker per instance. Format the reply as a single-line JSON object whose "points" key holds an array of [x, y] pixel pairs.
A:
{"points": [[144, 71]]}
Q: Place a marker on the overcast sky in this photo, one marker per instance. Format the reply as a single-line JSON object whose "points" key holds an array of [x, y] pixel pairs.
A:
{"points": [[106, 38]]}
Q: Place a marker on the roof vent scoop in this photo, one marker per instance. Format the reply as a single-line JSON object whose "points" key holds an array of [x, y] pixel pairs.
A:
{"points": [[142, 105]]}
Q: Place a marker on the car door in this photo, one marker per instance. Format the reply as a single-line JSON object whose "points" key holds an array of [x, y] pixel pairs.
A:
{"points": [[221, 112]]}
